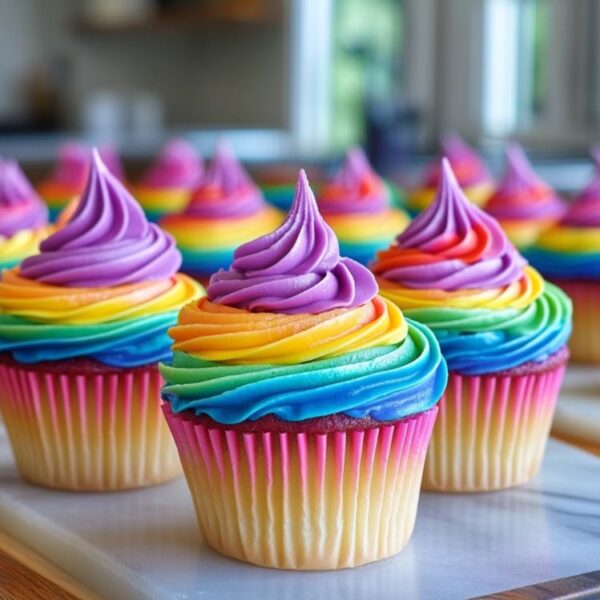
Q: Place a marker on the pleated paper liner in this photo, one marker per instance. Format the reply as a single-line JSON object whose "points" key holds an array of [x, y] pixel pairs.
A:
{"points": [[78, 425], [492, 430], [584, 344], [323, 498]]}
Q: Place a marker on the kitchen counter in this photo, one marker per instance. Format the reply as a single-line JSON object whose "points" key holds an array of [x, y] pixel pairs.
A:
{"points": [[145, 544]]}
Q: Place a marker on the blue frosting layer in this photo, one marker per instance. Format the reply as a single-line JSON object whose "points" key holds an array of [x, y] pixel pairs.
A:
{"points": [[125, 344], [560, 265], [386, 383]]}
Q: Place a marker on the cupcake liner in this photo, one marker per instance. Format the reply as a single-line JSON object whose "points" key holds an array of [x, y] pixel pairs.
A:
{"points": [[492, 430], [584, 344], [87, 431], [304, 500]]}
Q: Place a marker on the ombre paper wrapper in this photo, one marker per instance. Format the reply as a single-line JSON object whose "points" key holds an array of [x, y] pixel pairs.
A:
{"points": [[293, 499], [584, 344], [87, 429], [492, 430]]}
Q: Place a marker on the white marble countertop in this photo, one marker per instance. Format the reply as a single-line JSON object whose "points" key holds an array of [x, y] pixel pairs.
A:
{"points": [[578, 411], [144, 544]]}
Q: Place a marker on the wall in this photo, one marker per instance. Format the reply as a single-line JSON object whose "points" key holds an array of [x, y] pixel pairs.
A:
{"points": [[225, 76]]}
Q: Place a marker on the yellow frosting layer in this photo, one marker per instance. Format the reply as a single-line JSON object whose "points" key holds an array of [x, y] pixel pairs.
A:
{"points": [[360, 227], [224, 334], [517, 295], [44, 303], [421, 198], [197, 232], [161, 199], [571, 239], [22, 244]]}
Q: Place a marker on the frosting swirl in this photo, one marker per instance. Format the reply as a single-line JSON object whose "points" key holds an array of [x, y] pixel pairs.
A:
{"points": [[20, 207], [454, 270], [178, 166], [468, 168], [123, 326], [385, 383], [453, 245], [522, 195], [295, 269], [107, 241], [295, 331], [571, 249], [226, 191], [356, 188]]}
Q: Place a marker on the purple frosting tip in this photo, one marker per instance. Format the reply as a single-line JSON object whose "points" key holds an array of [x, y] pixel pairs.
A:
{"points": [[519, 169], [454, 229], [107, 241], [20, 206], [295, 269]]}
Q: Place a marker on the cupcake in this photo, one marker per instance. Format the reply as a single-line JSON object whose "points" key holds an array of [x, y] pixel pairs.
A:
{"points": [[225, 210], [277, 184], [469, 169], [71, 174], [83, 325], [167, 186], [569, 255], [23, 216], [301, 403], [523, 204], [356, 204], [502, 330]]}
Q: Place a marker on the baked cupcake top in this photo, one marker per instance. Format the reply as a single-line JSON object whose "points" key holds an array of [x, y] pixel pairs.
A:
{"points": [[522, 195], [104, 286], [23, 215], [295, 330], [571, 249], [454, 270], [177, 167], [466, 164]]}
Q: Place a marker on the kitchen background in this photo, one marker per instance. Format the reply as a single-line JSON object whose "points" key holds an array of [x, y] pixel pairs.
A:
{"points": [[303, 79]]}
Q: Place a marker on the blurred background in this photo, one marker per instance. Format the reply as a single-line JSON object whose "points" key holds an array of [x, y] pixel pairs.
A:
{"points": [[303, 79]]}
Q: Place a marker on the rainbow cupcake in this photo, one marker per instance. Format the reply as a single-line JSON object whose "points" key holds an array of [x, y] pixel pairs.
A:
{"points": [[356, 204], [569, 255], [226, 209], [502, 330], [167, 186], [83, 325], [71, 174], [23, 216], [302, 403], [470, 171], [523, 204]]}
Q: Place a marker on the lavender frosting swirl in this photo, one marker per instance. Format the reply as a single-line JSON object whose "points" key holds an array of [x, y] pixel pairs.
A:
{"points": [[227, 191], [178, 166], [522, 194], [585, 210], [355, 189], [470, 248], [107, 242], [20, 206], [295, 269]]}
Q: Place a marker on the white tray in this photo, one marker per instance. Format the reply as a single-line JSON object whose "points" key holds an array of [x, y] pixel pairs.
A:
{"points": [[144, 544]]}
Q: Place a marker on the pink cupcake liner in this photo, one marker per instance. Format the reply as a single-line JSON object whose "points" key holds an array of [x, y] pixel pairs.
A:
{"points": [[584, 344], [89, 431], [492, 430], [304, 500]]}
